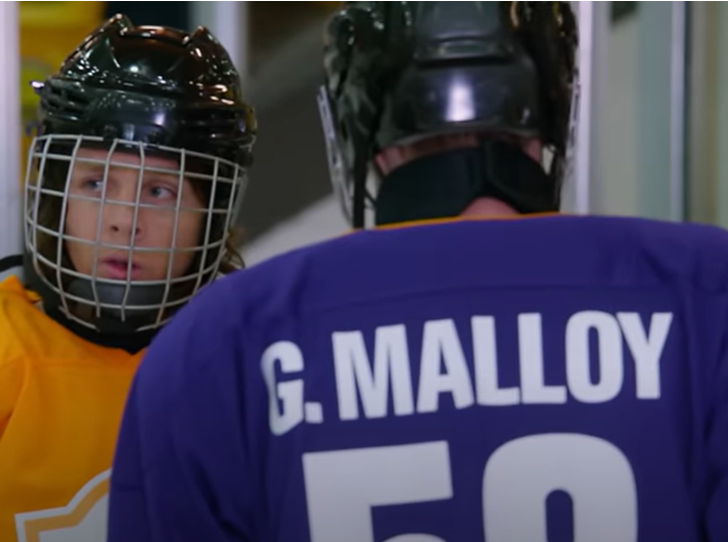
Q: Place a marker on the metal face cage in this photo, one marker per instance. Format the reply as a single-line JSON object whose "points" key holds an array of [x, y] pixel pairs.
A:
{"points": [[147, 225]]}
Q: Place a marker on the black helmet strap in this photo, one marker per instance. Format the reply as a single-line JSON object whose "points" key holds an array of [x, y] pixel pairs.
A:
{"points": [[444, 184]]}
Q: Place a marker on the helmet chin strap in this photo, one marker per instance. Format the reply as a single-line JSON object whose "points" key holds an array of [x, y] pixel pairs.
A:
{"points": [[113, 319], [511, 175], [444, 184], [110, 331]]}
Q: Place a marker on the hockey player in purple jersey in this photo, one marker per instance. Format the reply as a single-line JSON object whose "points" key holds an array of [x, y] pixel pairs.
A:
{"points": [[548, 378]]}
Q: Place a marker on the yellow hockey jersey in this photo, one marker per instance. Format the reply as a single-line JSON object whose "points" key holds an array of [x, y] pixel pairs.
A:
{"points": [[61, 400]]}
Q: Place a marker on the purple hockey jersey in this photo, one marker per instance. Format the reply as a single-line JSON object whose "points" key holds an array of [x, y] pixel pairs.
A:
{"points": [[560, 379]]}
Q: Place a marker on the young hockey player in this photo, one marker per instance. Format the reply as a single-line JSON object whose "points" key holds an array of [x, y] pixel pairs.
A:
{"points": [[142, 152]]}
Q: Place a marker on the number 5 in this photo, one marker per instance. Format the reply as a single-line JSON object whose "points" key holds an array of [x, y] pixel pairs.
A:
{"points": [[342, 486]]}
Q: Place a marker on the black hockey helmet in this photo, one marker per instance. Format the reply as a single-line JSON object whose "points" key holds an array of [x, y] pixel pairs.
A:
{"points": [[400, 71], [151, 91], [153, 85]]}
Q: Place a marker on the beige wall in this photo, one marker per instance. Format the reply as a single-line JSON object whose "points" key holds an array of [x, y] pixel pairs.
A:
{"points": [[708, 126], [618, 192]]}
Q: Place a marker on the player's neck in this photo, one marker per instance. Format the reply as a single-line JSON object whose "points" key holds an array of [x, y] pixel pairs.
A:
{"points": [[489, 207]]}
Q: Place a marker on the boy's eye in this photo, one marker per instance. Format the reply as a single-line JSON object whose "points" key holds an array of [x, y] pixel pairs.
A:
{"points": [[93, 184], [162, 192]]}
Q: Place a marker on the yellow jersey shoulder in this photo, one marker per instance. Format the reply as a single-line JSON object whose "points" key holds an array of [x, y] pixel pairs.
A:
{"points": [[28, 333], [61, 401], [17, 316]]}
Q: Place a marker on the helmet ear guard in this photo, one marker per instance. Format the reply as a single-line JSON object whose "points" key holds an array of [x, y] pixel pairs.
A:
{"points": [[401, 71]]}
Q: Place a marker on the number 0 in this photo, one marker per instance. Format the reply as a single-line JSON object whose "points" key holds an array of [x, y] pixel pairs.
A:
{"points": [[523, 472], [342, 486]]}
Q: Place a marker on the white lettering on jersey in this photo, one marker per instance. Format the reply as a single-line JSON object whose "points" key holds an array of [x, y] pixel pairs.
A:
{"points": [[485, 358], [530, 348], [440, 341], [646, 349], [368, 378], [356, 377], [290, 413], [581, 382]]}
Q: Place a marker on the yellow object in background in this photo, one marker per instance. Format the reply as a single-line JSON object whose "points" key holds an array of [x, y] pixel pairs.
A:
{"points": [[49, 31]]}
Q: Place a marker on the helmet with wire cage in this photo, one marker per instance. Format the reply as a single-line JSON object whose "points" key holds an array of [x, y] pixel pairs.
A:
{"points": [[147, 124]]}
